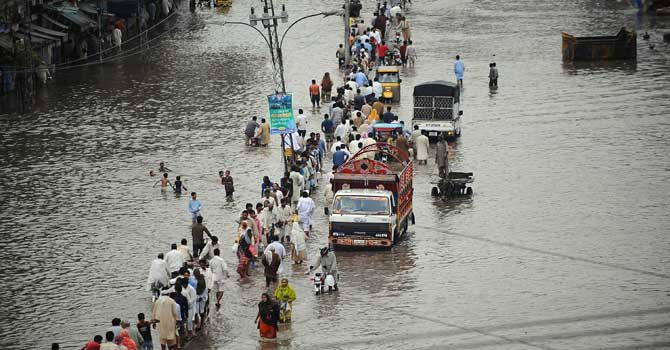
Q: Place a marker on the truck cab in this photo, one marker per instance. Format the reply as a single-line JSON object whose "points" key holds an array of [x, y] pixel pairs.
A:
{"points": [[363, 217], [372, 205]]}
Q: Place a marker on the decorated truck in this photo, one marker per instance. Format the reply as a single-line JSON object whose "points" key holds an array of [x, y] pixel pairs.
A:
{"points": [[372, 205]]}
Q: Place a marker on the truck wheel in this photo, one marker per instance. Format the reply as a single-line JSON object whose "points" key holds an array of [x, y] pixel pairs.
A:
{"points": [[434, 192], [469, 191]]}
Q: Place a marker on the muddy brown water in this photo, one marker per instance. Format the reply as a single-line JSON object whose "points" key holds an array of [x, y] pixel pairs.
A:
{"points": [[564, 244]]}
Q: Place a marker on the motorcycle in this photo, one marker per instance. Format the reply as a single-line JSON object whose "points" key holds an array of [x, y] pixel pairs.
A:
{"points": [[321, 281], [318, 280]]}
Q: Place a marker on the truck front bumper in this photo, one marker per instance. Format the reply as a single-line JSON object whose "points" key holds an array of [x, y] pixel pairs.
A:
{"points": [[360, 242]]}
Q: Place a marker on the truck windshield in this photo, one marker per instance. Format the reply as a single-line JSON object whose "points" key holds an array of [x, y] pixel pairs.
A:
{"points": [[361, 205]]}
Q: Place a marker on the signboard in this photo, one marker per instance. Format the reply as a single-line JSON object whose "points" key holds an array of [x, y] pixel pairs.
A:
{"points": [[281, 114]]}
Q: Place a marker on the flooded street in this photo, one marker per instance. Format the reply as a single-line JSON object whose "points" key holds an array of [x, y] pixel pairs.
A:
{"points": [[564, 244]]}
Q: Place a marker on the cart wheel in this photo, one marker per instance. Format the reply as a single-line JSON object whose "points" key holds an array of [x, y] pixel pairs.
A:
{"points": [[413, 219], [469, 191], [434, 192]]}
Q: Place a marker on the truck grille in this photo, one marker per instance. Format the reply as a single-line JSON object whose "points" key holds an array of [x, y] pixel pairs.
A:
{"points": [[343, 229]]}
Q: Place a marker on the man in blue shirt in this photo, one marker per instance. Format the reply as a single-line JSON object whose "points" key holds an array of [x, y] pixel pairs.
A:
{"points": [[339, 157], [361, 79], [194, 207], [322, 147], [328, 129], [459, 69]]}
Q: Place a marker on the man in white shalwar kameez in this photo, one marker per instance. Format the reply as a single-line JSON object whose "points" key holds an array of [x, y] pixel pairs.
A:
{"points": [[284, 216], [305, 209], [422, 143], [298, 185], [159, 275]]}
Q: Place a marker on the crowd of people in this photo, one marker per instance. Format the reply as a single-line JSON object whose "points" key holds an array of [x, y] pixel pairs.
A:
{"points": [[273, 231]]}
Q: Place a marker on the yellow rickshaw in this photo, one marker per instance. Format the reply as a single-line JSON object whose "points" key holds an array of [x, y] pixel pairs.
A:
{"points": [[389, 77]]}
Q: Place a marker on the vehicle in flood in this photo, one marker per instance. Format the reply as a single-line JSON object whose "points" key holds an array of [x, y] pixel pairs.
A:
{"points": [[437, 109], [372, 206], [597, 48], [389, 77]]}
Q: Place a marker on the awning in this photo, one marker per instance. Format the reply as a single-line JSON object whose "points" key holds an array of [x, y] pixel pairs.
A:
{"points": [[93, 10], [48, 31], [36, 34], [75, 16], [6, 42], [80, 19], [33, 38], [55, 22]]}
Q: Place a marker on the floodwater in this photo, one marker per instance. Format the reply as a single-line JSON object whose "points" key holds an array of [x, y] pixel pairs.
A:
{"points": [[564, 245]]}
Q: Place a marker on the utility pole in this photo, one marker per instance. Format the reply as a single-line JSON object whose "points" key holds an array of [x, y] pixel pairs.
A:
{"points": [[347, 32], [280, 59], [269, 19], [139, 25], [101, 49]]}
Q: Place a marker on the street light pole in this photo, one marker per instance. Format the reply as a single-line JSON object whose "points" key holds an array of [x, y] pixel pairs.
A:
{"points": [[347, 32], [269, 19]]}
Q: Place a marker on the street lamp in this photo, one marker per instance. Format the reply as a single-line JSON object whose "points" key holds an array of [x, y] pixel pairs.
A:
{"points": [[252, 18], [269, 21], [283, 14], [265, 18]]}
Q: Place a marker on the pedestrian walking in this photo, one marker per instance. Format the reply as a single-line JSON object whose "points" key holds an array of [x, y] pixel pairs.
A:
{"points": [[326, 88], [166, 315], [314, 95], [340, 54], [301, 122], [265, 132], [422, 144], [411, 53], [219, 273], [297, 241], [250, 130], [267, 317], [194, 207], [493, 75], [244, 253], [228, 185], [198, 230], [285, 295], [271, 262], [174, 261], [459, 70], [305, 210], [442, 157], [144, 328]]}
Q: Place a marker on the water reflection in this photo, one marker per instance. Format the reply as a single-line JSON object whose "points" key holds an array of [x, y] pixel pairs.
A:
{"points": [[596, 67]]}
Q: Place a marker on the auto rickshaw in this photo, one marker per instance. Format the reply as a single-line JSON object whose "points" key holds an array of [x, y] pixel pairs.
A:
{"points": [[389, 77]]}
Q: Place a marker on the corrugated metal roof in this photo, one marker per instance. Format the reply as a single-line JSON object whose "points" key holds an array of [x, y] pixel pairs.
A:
{"points": [[48, 31], [55, 22], [6, 42]]}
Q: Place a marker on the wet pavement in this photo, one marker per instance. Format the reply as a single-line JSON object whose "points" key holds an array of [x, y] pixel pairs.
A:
{"points": [[563, 246]]}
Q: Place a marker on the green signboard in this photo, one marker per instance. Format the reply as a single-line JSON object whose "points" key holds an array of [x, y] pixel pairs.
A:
{"points": [[281, 114]]}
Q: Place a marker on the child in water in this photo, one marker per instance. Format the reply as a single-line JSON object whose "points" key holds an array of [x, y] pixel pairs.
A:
{"points": [[165, 182], [178, 185]]}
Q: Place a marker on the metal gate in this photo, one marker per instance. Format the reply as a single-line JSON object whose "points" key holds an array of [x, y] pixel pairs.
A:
{"points": [[433, 107]]}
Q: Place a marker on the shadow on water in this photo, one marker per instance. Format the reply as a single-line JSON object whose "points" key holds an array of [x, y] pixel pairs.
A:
{"points": [[626, 66]]}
